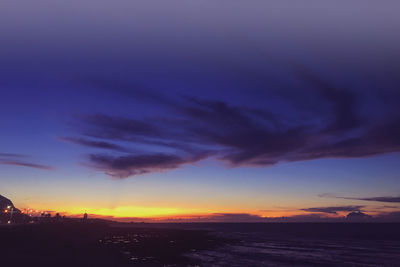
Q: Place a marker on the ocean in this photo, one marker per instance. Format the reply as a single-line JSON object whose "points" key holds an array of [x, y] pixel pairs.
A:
{"points": [[295, 244]]}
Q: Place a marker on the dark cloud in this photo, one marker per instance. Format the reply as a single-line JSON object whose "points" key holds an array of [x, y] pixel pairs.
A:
{"points": [[386, 199], [381, 199], [160, 132], [250, 135], [94, 144], [125, 166], [334, 210]]}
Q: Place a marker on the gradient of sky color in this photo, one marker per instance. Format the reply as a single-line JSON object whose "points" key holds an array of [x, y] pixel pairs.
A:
{"points": [[165, 108]]}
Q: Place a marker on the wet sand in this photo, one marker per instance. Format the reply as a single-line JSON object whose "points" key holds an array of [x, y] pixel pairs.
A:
{"points": [[75, 244]]}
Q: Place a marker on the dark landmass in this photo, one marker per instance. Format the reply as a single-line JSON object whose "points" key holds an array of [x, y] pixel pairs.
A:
{"points": [[5, 202], [99, 244]]}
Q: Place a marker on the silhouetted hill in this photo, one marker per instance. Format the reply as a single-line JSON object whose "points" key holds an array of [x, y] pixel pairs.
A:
{"points": [[358, 216], [11, 214], [5, 202]]}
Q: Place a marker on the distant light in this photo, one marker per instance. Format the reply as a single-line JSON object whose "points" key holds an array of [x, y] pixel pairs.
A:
{"points": [[9, 222], [8, 207], [5, 211]]}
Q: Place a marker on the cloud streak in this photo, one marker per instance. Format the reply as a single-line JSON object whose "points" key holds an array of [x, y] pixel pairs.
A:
{"points": [[380, 199], [124, 166], [385, 199], [26, 164], [14, 159], [94, 144], [334, 209]]}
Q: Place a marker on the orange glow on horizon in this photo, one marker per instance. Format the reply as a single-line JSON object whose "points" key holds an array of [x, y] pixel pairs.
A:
{"points": [[127, 211], [159, 213], [131, 211], [162, 213]]}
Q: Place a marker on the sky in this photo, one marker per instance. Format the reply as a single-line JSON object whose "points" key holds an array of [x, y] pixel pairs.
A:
{"points": [[220, 110]]}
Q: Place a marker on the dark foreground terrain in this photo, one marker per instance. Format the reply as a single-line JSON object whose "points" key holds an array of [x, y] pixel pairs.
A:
{"points": [[259, 244], [75, 244]]}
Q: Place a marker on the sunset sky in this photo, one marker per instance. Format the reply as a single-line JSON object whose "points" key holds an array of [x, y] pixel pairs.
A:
{"points": [[224, 109]]}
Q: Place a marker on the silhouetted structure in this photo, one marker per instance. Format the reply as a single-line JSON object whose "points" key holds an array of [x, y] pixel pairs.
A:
{"points": [[85, 217], [57, 218]]}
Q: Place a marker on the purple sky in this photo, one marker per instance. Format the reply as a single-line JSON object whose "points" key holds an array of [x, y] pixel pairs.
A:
{"points": [[267, 108]]}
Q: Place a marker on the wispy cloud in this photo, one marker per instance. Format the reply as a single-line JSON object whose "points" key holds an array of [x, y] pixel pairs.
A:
{"points": [[26, 164], [15, 160], [94, 144], [334, 209], [386, 199]]}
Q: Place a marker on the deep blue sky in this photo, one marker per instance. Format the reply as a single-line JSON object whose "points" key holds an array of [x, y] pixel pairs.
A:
{"points": [[199, 107]]}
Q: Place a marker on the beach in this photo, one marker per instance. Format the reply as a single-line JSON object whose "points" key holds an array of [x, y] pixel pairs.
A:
{"points": [[200, 244]]}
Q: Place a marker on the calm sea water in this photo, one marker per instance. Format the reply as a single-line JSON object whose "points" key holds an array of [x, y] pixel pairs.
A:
{"points": [[303, 245]]}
